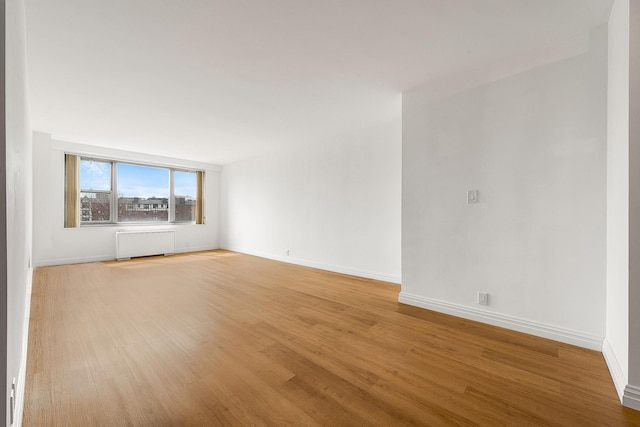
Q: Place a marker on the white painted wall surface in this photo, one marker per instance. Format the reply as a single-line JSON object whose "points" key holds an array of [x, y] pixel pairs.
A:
{"points": [[632, 390], [54, 244], [19, 208], [616, 347], [335, 206], [534, 145]]}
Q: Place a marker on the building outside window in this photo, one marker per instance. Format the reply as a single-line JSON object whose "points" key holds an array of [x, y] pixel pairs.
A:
{"points": [[119, 192]]}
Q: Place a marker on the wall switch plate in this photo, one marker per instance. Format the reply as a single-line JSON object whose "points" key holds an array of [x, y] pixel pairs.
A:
{"points": [[472, 196], [483, 298], [12, 402], [12, 408]]}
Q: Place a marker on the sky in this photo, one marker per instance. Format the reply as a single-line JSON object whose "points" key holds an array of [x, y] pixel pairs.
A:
{"points": [[136, 180]]}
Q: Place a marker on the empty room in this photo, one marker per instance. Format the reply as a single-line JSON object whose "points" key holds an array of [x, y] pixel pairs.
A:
{"points": [[320, 213]]}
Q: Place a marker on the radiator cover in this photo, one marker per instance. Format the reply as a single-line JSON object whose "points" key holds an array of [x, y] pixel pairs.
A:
{"points": [[131, 244]]}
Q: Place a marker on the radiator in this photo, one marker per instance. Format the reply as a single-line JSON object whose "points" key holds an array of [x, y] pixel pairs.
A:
{"points": [[143, 243]]}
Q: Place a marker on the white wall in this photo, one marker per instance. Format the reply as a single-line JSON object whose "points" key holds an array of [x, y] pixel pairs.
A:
{"points": [[632, 390], [54, 244], [18, 199], [335, 206], [534, 145], [616, 346]]}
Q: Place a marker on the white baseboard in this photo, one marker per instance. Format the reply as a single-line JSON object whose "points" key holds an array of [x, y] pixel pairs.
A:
{"points": [[64, 261], [392, 278], [22, 374], [505, 321], [197, 249], [617, 374], [631, 397], [629, 394]]}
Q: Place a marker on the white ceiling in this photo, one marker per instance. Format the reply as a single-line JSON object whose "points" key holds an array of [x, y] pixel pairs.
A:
{"points": [[220, 80]]}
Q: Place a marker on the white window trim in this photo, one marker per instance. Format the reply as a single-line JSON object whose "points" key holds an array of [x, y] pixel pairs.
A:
{"points": [[114, 193]]}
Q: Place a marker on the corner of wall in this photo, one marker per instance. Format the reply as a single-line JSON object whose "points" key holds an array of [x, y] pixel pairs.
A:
{"points": [[617, 374], [631, 397]]}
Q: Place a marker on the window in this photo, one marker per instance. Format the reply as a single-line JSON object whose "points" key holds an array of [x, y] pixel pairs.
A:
{"points": [[107, 191], [184, 190], [95, 191], [142, 183]]}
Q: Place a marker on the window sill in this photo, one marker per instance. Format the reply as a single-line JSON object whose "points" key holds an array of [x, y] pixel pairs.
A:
{"points": [[136, 224]]}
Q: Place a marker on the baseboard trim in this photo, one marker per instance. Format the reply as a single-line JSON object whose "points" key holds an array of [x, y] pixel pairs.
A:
{"points": [[615, 369], [392, 278], [65, 261], [631, 397], [22, 374], [505, 321], [197, 249]]}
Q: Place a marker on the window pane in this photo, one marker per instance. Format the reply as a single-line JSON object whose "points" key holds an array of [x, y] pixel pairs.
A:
{"points": [[95, 207], [184, 189], [95, 175], [143, 193]]}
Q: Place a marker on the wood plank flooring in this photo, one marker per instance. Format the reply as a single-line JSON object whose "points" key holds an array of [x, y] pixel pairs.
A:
{"points": [[223, 339]]}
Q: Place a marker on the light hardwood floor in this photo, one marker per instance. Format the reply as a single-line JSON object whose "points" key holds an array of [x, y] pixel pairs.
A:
{"points": [[218, 338]]}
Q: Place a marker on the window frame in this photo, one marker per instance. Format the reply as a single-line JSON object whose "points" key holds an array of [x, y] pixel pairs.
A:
{"points": [[112, 210], [151, 209], [113, 198], [172, 196]]}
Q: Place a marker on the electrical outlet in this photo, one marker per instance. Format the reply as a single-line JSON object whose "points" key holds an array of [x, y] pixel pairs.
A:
{"points": [[287, 252], [483, 298], [472, 196]]}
